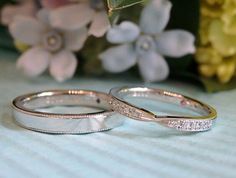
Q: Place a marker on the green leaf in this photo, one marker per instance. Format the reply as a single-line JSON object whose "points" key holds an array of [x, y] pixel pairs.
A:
{"points": [[116, 7], [114, 16], [120, 4]]}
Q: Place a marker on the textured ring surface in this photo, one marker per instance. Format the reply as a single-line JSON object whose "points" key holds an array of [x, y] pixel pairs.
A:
{"points": [[182, 123], [26, 114]]}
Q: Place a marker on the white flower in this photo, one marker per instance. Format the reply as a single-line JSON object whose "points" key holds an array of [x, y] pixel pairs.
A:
{"points": [[50, 46], [146, 44], [81, 14]]}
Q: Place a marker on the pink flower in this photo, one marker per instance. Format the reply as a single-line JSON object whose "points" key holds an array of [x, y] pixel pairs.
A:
{"points": [[51, 47], [26, 8], [81, 14]]}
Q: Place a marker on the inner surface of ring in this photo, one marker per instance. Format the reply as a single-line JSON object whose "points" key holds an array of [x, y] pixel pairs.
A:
{"points": [[165, 96], [65, 98]]}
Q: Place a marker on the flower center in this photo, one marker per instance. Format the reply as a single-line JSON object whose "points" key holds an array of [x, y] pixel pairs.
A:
{"points": [[145, 44], [97, 4], [53, 41]]}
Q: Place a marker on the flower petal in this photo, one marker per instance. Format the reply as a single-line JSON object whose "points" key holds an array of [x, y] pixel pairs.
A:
{"points": [[118, 59], [155, 16], [27, 30], [123, 33], [100, 24], [175, 43], [34, 61], [24, 8], [43, 16], [74, 40], [63, 65], [72, 17], [153, 67]]}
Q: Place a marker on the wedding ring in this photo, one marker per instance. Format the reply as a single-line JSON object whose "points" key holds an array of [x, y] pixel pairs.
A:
{"points": [[27, 114], [182, 123]]}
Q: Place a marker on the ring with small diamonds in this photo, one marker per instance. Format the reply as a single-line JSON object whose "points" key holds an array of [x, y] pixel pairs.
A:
{"points": [[183, 123], [27, 113]]}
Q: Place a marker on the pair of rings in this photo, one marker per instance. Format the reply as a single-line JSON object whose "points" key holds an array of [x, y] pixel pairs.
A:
{"points": [[114, 107]]}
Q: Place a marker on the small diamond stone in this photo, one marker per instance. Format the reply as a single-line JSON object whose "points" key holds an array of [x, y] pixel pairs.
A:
{"points": [[190, 125]]}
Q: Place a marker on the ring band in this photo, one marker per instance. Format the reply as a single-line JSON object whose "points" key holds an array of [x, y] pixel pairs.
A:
{"points": [[26, 115], [182, 123]]}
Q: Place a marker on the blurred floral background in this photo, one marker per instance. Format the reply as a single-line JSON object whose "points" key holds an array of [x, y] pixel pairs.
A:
{"points": [[152, 40]]}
